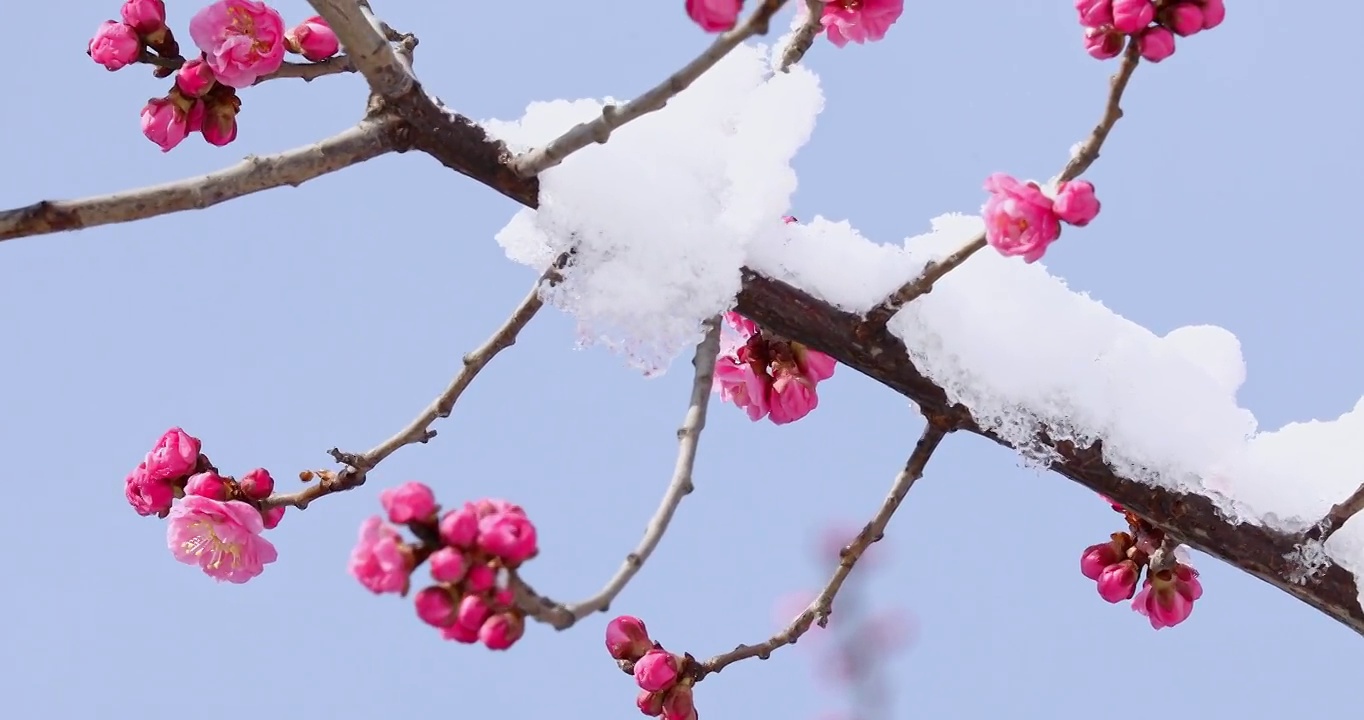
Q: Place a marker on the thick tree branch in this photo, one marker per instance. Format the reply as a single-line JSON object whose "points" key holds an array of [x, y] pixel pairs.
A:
{"points": [[821, 607], [370, 139], [688, 437], [366, 40], [599, 130]]}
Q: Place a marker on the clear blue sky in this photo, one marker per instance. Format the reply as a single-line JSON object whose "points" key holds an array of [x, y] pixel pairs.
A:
{"points": [[277, 326]]}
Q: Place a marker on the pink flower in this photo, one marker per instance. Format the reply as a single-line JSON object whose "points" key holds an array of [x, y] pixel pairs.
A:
{"points": [[508, 535], [459, 528], [174, 457], [380, 560], [1184, 19], [1104, 42], [649, 703], [815, 365], [714, 15], [222, 538], [164, 123], [1117, 582], [1075, 202], [460, 634], [241, 40], [1167, 597], [627, 638], [1155, 44], [657, 670], [679, 704], [208, 485], [273, 516], [115, 45], [194, 78], [313, 38], [860, 21], [480, 579], [473, 610], [145, 16], [1018, 218], [147, 496], [448, 565], [501, 631], [739, 383], [1094, 13], [1131, 16], [257, 484], [793, 397], [219, 125], [1096, 558], [745, 327], [435, 606], [409, 502], [1214, 12]]}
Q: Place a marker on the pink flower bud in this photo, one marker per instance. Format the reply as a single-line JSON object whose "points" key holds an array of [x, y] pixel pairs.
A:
{"points": [[508, 535], [1167, 597], [1095, 13], [1156, 44], [679, 704], [220, 118], [145, 16], [257, 484], [501, 631], [1131, 16], [448, 565], [1214, 12], [1098, 557], [272, 517], [409, 502], [649, 703], [174, 457], [480, 579], [164, 123], [115, 45], [473, 610], [1117, 582], [313, 39], [1184, 19], [194, 78], [435, 606], [380, 560], [656, 670], [460, 634], [1104, 43], [207, 484], [1075, 202], [714, 15], [147, 496], [627, 638], [459, 528], [503, 599]]}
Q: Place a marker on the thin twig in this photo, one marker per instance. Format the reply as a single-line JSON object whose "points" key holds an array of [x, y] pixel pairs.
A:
{"points": [[1338, 515], [369, 139], [536, 161], [822, 606], [688, 437], [366, 42], [804, 37], [1087, 154], [306, 71], [419, 430]]}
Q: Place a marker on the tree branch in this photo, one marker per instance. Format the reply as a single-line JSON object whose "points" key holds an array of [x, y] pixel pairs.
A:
{"points": [[369, 139], [821, 607], [599, 130], [1083, 158], [366, 40], [804, 37], [306, 71], [688, 436]]}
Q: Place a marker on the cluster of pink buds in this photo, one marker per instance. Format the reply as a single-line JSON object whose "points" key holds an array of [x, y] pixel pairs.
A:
{"points": [[1152, 24], [215, 522], [665, 680], [857, 21], [1023, 219], [240, 42], [1166, 598], [471, 551]]}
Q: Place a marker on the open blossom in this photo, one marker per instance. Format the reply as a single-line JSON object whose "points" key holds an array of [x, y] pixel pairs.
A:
{"points": [[768, 378], [241, 40], [1019, 219], [859, 21], [380, 560], [1167, 597], [115, 45], [714, 15], [409, 502], [222, 538], [313, 38], [147, 495]]}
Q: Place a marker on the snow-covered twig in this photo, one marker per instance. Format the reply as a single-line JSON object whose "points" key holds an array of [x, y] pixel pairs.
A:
{"points": [[536, 161], [804, 37], [1337, 516]]}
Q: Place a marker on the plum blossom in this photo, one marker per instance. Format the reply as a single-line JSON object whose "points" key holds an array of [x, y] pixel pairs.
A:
{"points": [[768, 377], [859, 21], [222, 538], [714, 15], [1019, 219], [313, 38], [241, 40], [1167, 597], [380, 560]]}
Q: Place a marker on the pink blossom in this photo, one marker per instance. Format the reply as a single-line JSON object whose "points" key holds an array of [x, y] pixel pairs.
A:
{"points": [[459, 528], [1018, 218], [207, 484], [222, 538], [792, 397], [480, 579], [164, 123], [738, 383], [147, 496], [714, 15], [1214, 12], [241, 40], [649, 703], [508, 535], [1075, 202], [459, 633], [1094, 13], [501, 631], [473, 610], [435, 606], [220, 118], [448, 565], [257, 484], [313, 38], [679, 704], [627, 638], [1155, 44], [1184, 19], [1104, 42], [194, 78], [272, 517], [1167, 597], [1131, 16], [1098, 557], [410, 502], [860, 21], [145, 16], [380, 560], [115, 45], [657, 670], [174, 457], [815, 365], [1117, 582], [742, 325]]}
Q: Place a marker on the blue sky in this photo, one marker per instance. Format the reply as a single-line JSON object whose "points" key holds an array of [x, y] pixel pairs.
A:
{"points": [[283, 324]]}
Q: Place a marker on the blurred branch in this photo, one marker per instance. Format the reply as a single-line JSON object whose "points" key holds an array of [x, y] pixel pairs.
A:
{"points": [[818, 612], [599, 130], [688, 437]]}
